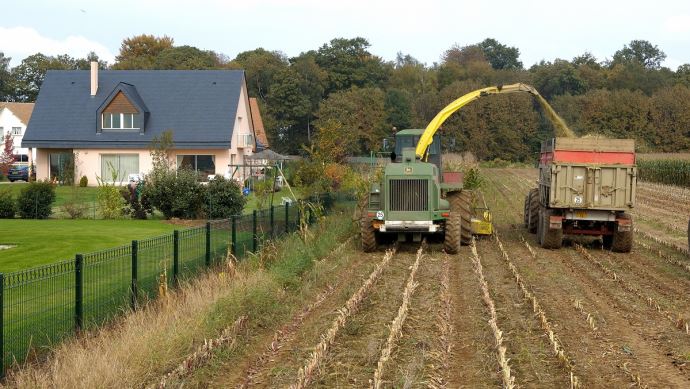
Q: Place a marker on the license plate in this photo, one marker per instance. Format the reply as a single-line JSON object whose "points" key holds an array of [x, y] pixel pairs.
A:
{"points": [[581, 214]]}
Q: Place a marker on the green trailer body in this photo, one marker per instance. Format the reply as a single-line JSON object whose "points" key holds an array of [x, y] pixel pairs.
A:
{"points": [[586, 186]]}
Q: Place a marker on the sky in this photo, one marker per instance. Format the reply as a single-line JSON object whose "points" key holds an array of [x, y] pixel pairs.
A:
{"points": [[541, 29]]}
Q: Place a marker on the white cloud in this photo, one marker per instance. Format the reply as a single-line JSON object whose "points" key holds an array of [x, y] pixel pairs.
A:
{"points": [[677, 24], [20, 42]]}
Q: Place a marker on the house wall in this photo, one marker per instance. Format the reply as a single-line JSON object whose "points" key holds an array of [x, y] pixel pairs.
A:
{"points": [[89, 161], [7, 121], [243, 126]]}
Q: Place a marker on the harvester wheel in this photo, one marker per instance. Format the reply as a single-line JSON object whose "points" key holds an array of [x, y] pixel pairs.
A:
{"points": [[622, 240], [368, 232], [465, 200], [533, 219], [452, 239], [525, 211], [550, 239]]}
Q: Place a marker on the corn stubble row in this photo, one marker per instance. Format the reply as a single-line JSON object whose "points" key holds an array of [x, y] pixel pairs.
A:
{"points": [[397, 324], [503, 361], [678, 321], [204, 352], [443, 345], [662, 242], [306, 372], [544, 322]]}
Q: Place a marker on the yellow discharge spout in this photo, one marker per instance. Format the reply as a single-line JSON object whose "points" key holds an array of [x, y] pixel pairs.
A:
{"points": [[561, 128]]}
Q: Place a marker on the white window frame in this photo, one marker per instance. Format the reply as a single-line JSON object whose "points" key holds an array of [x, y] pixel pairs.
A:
{"points": [[17, 131], [122, 121]]}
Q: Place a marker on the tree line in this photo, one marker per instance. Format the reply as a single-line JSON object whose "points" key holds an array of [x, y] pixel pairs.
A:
{"points": [[340, 99]]}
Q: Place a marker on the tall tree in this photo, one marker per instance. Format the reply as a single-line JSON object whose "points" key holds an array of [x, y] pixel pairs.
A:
{"points": [[399, 108], [360, 112], [260, 66], [499, 55], [349, 63], [641, 52], [289, 107], [557, 78], [140, 51], [5, 78], [185, 58], [29, 75]]}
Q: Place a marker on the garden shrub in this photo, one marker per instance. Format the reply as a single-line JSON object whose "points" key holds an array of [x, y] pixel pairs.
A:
{"points": [[139, 204], [83, 182], [110, 202], [223, 198], [36, 200], [8, 207], [176, 193]]}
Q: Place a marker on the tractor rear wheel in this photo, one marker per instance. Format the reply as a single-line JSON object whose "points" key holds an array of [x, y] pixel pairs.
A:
{"points": [[622, 240], [367, 231], [550, 239], [533, 216]]}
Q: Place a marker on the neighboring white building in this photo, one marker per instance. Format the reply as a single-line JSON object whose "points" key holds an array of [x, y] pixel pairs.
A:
{"points": [[14, 117]]}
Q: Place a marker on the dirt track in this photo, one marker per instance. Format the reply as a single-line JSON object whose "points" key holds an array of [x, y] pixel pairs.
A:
{"points": [[579, 314]]}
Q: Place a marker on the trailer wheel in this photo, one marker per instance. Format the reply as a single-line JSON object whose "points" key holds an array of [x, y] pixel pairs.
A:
{"points": [[622, 240], [550, 239], [367, 232], [533, 219]]}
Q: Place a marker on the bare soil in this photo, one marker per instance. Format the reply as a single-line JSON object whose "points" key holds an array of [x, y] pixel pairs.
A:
{"points": [[610, 332]]}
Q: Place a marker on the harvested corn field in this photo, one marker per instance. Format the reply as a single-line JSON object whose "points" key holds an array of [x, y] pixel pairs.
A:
{"points": [[501, 313]]}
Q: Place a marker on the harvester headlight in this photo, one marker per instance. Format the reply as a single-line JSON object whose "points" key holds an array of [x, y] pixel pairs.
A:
{"points": [[379, 215]]}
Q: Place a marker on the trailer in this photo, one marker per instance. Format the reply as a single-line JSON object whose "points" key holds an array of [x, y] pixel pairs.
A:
{"points": [[586, 186]]}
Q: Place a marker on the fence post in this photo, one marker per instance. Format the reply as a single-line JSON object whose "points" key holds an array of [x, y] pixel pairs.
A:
{"points": [[299, 214], [135, 254], [2, 325], [272, 223], [208, 244], [255, 239], [176, 255], [287, 217], [234, 235], [79, 292]]}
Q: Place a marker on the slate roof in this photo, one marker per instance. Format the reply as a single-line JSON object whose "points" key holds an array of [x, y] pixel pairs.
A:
{"points": [[199, 106], [20, 110]]}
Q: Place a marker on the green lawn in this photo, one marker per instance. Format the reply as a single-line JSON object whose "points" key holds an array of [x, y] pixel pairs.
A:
{"points": [[62, 193], [41, 242]]}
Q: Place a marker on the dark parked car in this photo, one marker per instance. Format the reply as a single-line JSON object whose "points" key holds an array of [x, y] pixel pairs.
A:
{"points": [[19, 173]]}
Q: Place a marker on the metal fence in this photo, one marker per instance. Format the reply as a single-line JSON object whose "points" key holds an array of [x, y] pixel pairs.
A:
{"points": [[43, 305]]}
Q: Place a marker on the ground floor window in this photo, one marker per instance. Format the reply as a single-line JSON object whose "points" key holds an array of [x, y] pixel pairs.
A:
{"points": [[202, 164], [62, 167], [118, 166]]}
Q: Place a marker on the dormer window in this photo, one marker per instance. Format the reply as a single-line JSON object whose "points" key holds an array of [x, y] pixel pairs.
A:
{"points": [[122, 110], [120, 121]]}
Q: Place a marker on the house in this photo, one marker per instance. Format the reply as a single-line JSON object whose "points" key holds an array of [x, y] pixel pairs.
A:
{"points": [[14, 117], [108, 118]]}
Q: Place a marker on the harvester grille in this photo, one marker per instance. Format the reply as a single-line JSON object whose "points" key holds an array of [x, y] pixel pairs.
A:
{"points": [[409, 195]]}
